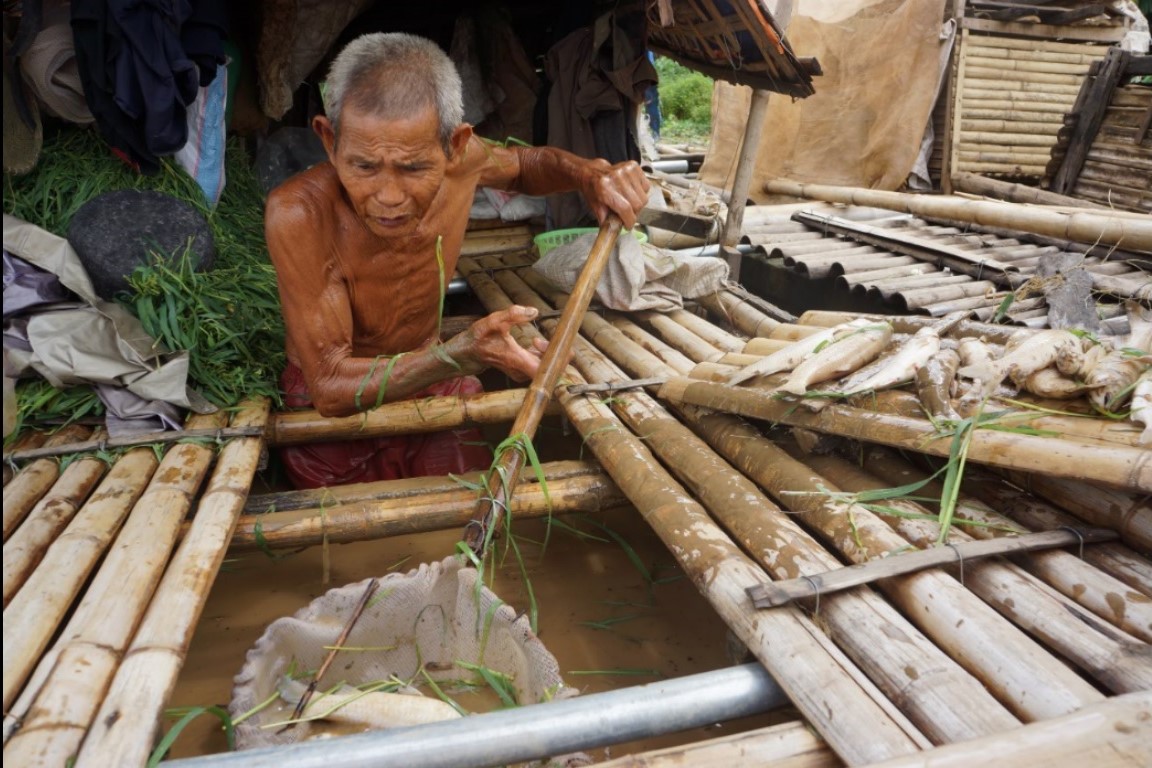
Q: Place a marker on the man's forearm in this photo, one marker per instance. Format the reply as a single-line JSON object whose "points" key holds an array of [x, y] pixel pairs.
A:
{"points": [[548, 170]]}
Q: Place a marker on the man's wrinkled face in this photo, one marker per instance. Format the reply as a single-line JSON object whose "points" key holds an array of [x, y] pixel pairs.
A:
{"points": [[390, 168]]}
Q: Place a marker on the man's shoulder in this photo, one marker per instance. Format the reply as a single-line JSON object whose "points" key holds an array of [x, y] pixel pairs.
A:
{"points": [[313, 191]]}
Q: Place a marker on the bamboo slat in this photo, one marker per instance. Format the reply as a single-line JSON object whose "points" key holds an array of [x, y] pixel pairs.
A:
{"points": [[1013, 49], [129, 719], [23, 550], [34, 480], [1109, 734], [94, 642], [788, 745], [435, 510]]}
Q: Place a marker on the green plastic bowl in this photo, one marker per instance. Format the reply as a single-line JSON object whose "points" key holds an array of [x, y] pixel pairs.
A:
{"points": [[546, 241]]}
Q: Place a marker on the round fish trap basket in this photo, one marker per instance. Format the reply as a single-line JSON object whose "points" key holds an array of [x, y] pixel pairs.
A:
{"points": [[435, 620]]}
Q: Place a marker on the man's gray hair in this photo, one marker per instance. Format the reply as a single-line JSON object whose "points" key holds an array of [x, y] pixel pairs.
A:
{"points": [[394, 75]]}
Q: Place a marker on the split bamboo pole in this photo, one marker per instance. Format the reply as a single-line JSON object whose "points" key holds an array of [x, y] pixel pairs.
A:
{"points": [[505, 471], [1110, 734], [1112, 658], [435, 510], [942, 700], [1117, 465], [1128, 515], [27, 545], [115, 601], [400, 418], [818, 678], [1100, 593], [129, 719], [34, 480], [35, 611], [1117, 560], [788, 745], [1085, 226]]}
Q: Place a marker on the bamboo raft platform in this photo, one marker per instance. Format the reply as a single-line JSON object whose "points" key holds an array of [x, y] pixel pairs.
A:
{"points": [[1031, 642]]}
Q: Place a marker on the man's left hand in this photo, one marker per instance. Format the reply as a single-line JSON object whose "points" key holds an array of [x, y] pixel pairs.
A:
{"points": [[621, 189]]}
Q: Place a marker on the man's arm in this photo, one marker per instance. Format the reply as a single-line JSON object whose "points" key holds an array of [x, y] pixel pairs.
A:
{"points": [[621, 188], [318, 320]]}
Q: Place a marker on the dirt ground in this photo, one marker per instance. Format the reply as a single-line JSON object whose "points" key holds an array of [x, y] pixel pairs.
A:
{"points": [[648, 627]]}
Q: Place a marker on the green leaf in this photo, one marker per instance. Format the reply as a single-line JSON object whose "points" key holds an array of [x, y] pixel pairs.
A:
{"points": [[191, 714]]}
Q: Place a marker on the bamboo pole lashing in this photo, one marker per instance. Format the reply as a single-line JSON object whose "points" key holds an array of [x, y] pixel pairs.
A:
{"points": [[34, 480], [129, 719], [113, 604], [25, 547], [1113, 658]]}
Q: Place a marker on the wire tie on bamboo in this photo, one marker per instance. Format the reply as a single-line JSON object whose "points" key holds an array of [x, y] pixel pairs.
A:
{"points": [[960, 558], [1078, 534], [815, 588]]}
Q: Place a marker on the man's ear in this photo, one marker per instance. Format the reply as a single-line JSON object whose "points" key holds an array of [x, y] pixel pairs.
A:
{"points": [[323, 128], [459, 141]]}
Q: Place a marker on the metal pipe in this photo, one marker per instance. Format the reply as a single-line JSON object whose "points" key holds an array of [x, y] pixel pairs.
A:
{"points": [[713, 250], [668, 166], [532, 732], [457, 285]]}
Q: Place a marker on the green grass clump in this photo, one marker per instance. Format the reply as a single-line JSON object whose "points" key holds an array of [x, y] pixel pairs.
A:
{"points": [[685, 101], [228, 318]]}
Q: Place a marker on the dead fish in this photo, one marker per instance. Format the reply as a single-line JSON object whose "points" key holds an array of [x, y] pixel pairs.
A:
{"points": [[975, 356], [934, 383], [898, 368], [1142, 405], [840, 357], [1139, 327], [1061, 348], [374, 709], [1113, 378], [1050, 383], [792, 355]]}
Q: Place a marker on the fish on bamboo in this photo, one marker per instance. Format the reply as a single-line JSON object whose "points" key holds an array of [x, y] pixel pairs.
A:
{"points": [[934, 384], [898, 368], [841, 356], [1141, 408], [1061, 348], [975, 356], [789, 357], [370, 709], [1113, 379], [1139, 327], [1050, 383]]}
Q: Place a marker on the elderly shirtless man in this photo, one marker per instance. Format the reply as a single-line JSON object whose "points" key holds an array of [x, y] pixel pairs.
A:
{"points": [[365, 243]]}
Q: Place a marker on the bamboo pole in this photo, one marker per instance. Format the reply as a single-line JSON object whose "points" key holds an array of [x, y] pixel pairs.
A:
{"points": [[400, 418], [1109, 734], [114, 603], [1016, 193], [738, 313], [506, 467], [1119, 465], [129, 719], [1085, 226], [1036, 50], [788, 745], [680, 338], [417, 513], [34, 480], [668, 354], [742, 177], [52, 513], [718, 338], [1105, 596]]}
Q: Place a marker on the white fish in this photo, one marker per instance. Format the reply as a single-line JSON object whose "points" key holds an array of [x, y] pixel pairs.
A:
{"points": [[375, 709], [1113, 378], [934, 382], [1049, 382], [789, 357], [1061, 348], [898, 368], [1139, 327], [841, 356], [1142, 405]]}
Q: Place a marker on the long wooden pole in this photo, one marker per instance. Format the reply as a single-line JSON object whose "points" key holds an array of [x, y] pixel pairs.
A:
{"points": [[505, 473], [742, 181]]}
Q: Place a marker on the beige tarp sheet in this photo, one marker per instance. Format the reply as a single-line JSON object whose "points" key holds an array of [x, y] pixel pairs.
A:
{"points": [[863, 126]]}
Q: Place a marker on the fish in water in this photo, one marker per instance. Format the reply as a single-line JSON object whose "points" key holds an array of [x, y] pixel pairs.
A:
{"points": [[789, 357], [934, 382], [1142, 405], [372, 709], [898, 368], [1022, 358], [841, 356]]}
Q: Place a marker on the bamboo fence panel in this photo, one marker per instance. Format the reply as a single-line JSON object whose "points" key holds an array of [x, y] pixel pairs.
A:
{"points": [[814, 672], [1113, 658], [112, 608], [23, 550], [1121, 466], [129, 719], [34, 480], [788, 745], [35, 611], [417, 513], [1110, 734], [406, 417], [946, 703]]}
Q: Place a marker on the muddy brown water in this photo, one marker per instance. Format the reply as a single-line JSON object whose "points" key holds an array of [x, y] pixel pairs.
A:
{"points": [[608, 624]]}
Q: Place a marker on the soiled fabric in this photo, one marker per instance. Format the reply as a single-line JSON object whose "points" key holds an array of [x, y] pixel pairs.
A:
{"points": [[50, 67], [318, 465]]}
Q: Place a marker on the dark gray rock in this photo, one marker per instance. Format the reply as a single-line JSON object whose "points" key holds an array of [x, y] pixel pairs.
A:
{"points": [[118, 231]]}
